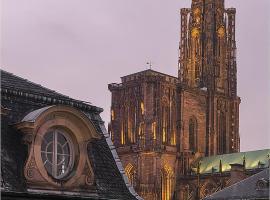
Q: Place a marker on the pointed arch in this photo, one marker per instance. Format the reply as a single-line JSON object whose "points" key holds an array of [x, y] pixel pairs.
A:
{"points": [[173, 123], [130, 172], [167, 177], [165, 119], [131, 122]]}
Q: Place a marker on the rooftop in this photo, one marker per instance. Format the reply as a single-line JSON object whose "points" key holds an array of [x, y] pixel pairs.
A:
{"points": [[16, 85], [253, 160], [253, 187], [148, 72]]}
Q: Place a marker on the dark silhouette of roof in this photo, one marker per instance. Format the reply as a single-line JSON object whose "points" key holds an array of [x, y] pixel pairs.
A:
{"points": [[16, 85], [253, 187], [20, 97]]}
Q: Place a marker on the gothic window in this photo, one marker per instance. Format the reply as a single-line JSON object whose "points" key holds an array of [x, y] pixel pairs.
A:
{"points": [[193, 135], [165, 112], [222, 134], [131, 123], [127, 132], [111, 132], [173, 123], [57, 153], [154, 130], [166, 183], [141, 134], [142, 108], [123, 138], [131, 173]]}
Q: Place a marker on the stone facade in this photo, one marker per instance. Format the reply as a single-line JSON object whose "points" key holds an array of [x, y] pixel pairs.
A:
{"points": [[144, 130], [161, 125]]}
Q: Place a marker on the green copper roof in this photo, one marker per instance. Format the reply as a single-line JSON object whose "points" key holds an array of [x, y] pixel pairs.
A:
{"points": [[252, 160]]}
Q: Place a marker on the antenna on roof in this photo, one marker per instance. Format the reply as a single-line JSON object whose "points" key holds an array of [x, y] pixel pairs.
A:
{"points": [[150, 64]]}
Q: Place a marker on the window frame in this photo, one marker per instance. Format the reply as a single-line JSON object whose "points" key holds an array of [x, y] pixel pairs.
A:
{"points": [[54, 155]]}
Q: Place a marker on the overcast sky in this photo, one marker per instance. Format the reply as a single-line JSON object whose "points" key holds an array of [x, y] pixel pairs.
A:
{"points": [[77, 47]]}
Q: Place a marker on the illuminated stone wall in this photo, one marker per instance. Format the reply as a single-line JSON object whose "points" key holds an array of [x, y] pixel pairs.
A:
{"points": [[161, 124], [144, 108]]}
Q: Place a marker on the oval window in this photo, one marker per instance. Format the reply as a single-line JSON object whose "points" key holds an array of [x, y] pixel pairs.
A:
{"points": [[57, 153]]}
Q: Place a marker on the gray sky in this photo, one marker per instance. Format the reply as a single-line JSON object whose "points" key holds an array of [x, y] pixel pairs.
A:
{"points": [[77, 47]]}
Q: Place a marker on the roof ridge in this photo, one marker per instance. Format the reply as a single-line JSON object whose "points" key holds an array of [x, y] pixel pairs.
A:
{"points": [[15, 83], [244, 152], [142, 71], [39, 85]]}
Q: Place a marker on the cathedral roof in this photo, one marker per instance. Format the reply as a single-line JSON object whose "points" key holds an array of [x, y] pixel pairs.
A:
{"points": [[149, 72], [24, 101], [252, 159], [253, 187]]}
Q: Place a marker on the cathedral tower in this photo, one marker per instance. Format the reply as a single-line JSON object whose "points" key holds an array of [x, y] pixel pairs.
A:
{"points": [[207, 63], [208, 47], [144, 131], [161, 125]]}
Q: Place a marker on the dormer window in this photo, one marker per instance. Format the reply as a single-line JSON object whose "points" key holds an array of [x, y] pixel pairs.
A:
{"points": [[58, 138]]}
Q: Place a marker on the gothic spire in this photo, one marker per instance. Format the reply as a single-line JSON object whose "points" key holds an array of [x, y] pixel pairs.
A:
{"points": [[206, 46]]}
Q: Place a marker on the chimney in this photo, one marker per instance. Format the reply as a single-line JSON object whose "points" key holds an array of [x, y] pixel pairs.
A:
{"points": [[237, 173]]}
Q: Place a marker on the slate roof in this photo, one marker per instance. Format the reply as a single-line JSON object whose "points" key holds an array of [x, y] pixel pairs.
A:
{"points": [[252, 159], [20, 97], [16, 85], [11, 81], [254, 187]]}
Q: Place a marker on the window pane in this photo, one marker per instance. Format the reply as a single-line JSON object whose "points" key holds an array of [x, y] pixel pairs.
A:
{"points": [[61, 139], [56, 153]]}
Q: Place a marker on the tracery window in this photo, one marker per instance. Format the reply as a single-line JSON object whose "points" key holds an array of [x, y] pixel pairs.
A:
{"points": [[164, 125], [166, 183], [173, 123], [131, 173], [165, 121], [193, 135], [131, 123]]}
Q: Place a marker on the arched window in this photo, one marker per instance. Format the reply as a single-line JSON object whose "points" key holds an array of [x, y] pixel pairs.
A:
{"points": [[165, 120], [193, 135], [131, 122], [222, 134], [123, 126], [56, 150], [130, 172], [123, 140], [173, 124], [166, 183], [57, 153]]}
